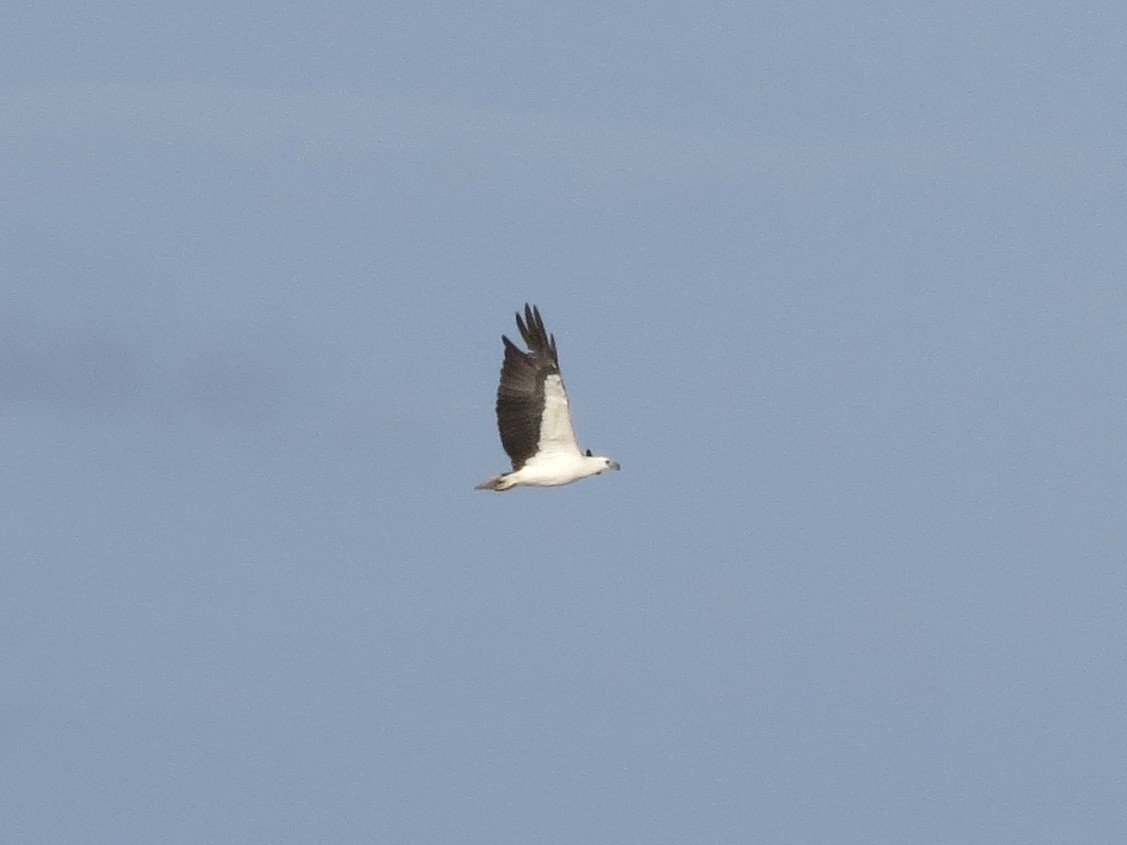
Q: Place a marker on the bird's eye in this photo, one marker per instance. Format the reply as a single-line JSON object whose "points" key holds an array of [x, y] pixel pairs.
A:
{"points": [[589, 455]]}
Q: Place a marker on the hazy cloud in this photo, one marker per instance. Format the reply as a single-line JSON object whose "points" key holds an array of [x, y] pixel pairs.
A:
{"points": [[90, 370]]}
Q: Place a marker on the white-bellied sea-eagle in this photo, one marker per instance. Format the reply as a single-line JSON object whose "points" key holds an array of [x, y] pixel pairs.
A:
{"points": [[533, 417]]}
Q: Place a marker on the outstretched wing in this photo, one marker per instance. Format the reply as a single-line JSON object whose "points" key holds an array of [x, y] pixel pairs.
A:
{"points": [[532, 411]]}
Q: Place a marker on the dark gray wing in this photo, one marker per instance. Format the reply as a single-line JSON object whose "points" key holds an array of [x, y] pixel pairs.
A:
{"points": [[522, 394]]}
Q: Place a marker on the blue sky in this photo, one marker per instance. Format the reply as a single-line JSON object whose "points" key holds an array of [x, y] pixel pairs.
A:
{"points": [[842, 287]]}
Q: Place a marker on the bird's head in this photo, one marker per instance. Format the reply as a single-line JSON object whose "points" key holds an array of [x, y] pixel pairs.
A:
{"points": [[607, 463]]}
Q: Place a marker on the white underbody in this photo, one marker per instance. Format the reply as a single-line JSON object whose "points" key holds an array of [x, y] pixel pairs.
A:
{"points": [[552, 470]]}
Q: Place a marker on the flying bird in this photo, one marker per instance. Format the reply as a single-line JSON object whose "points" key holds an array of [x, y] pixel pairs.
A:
{"points": [[533, 418]]}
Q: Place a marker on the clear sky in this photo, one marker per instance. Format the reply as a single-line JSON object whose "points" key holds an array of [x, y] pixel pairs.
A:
{"points": [[843, 286]]}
